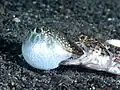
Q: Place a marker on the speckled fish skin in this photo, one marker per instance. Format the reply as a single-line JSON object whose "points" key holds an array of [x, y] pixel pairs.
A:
{"points": [[100, 59], [43, 50]]}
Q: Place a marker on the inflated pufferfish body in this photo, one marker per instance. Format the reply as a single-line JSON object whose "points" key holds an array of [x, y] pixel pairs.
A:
{"points": [[45, 50]]}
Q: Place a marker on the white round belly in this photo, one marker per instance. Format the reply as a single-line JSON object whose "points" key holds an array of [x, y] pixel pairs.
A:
{"points": [[43, 52]]}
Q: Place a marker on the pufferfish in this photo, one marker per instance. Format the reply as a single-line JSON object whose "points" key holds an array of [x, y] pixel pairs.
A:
{"points": [[45, 49]]}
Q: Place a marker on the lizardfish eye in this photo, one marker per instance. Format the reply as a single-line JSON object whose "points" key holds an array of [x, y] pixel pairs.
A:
{"points": [[44, 50]]}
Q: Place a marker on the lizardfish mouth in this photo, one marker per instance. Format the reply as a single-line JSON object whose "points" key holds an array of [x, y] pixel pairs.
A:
{"points": [[69, 62], [96, 61]]}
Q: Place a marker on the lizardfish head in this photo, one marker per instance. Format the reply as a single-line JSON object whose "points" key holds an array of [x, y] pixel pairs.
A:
{"points": [[99, 59]]}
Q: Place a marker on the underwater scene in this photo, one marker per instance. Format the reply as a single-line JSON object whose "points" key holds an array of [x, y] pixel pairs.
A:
{"points": [[59, 45]]}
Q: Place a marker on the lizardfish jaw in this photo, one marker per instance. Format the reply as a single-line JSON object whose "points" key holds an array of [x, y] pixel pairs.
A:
{"points": [[96, 61]]}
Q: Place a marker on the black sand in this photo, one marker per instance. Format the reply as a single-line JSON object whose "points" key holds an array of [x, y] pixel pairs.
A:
{"points": [[98, 19]]}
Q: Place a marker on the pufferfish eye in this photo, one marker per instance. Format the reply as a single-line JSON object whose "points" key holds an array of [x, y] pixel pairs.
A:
{"points": [[45, 49]]}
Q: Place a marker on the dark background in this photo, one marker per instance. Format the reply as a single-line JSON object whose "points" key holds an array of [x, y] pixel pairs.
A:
{"points": [[98, 19]]}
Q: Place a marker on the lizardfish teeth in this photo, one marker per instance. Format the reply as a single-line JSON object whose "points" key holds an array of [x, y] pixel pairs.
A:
{"points": [[114, 42], [43, 50]]}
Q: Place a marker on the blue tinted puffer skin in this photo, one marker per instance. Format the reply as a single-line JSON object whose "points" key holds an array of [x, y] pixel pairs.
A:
{"points": [[43, 51]]}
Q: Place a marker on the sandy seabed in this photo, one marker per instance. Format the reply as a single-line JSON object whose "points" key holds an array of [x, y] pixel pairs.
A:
{"points": [[98, 19]]}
